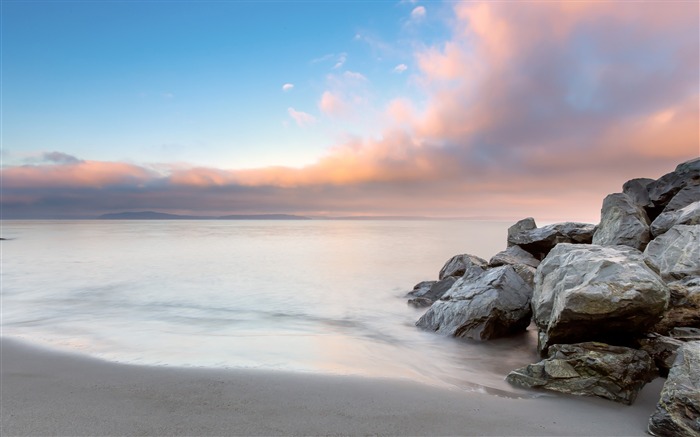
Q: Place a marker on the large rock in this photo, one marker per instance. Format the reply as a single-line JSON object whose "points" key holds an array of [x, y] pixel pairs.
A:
{"points": [[590, 292], [675, 254], [661, 349], [522, 226], [590, 369], [459, 265], [540, 241], [512, 256], [686, 196], [667, 186], [622, 222], [688, 215], [678, 411], [421, 288], [425, 296], [522, 261], [684, 306], [636, 189], [496, 304]]}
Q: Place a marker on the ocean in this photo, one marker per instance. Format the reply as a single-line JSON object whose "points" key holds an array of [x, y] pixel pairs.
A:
{"points": [[320, 296]]}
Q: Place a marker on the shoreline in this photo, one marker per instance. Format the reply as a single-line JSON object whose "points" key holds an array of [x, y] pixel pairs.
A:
{"points": [[45, 392]]}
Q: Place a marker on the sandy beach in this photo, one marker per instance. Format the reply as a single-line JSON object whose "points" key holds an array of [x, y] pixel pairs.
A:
{"points": [[45, 392]]}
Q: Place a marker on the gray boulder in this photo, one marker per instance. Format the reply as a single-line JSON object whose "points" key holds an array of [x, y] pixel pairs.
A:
{"points": [[495, 304], [526, 272], [524, 225], [522, 261], [459, 265], [589, 369], [661, 349], [675, 254], [687, 195], [684, 306], [622, 222], [590, 292], [667, 186], [421, 288], [420, 302], [688, 215], [685, 333], [636, 189], [514, 255], [540, 241], [425, 296], [678, 411]]}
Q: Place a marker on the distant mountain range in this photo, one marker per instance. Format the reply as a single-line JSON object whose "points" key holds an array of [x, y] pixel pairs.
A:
{"points": [[152, 215]]}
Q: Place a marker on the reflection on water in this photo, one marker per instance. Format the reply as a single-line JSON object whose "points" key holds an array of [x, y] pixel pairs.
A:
{"points": [[312, 296]]}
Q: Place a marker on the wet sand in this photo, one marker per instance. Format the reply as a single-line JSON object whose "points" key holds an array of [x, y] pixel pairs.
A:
{"points": [[44, 392]]}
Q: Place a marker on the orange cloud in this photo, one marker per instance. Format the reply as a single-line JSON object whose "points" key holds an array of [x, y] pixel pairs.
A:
{"points": [[93, 174], [532, 108]]}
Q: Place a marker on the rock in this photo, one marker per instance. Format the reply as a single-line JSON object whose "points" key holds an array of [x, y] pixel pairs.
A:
{"points": [[689, 170], [589, 369], [420, 302], [685, 333], [522, 226], [636, 189], [526, 272], [514, 255], [458, 265], [622, 222], [495, 304], [421, 288], [684, 306], [522, 261], [686, 196], [540, 241], [688, 215], [667, 186], [590, 292], [678, 411], [436, 289], [661, 349], [675, 254]]}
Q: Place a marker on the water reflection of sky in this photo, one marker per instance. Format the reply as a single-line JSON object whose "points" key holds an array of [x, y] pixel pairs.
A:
{"points": [[302, 296]]}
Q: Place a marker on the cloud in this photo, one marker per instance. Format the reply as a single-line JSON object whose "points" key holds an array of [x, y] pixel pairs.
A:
{"points": [[418, 13], [354, 76], [400, 68], [341, 61], [346, 93], [60, 158], [301, 118], [287, 87], [528, 109], [332, 104]]}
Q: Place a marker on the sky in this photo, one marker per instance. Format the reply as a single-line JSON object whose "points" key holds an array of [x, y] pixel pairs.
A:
{"points": [[485, 109]]}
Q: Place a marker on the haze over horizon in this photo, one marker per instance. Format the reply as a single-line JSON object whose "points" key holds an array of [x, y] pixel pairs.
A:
{"points": [[439, 109]]}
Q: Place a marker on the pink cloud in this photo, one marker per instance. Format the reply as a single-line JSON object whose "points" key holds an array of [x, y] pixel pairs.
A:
{"points": [[332, 104], [302, 119], [529, 109], [94, 174]]}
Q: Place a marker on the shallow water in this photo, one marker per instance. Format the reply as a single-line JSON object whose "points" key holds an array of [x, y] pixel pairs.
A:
{"points": [[310, 296]]}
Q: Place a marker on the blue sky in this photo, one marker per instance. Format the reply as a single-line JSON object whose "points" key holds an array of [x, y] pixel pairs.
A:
{"points": [[198, 82], [461, 108]]}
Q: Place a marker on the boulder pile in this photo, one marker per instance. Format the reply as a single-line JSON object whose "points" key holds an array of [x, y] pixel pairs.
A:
{"points": [[614, 304]]}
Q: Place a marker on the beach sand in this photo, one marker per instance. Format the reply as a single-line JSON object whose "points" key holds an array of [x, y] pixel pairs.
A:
{"points": [[44, 392]]}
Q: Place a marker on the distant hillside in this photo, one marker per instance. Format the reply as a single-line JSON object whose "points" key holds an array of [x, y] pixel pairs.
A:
{"points": [[152, 215], [149, 215], [263, 217]]}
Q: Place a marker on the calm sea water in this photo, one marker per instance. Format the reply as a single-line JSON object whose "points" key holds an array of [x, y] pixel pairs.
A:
{"points": [[310, 296]]}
